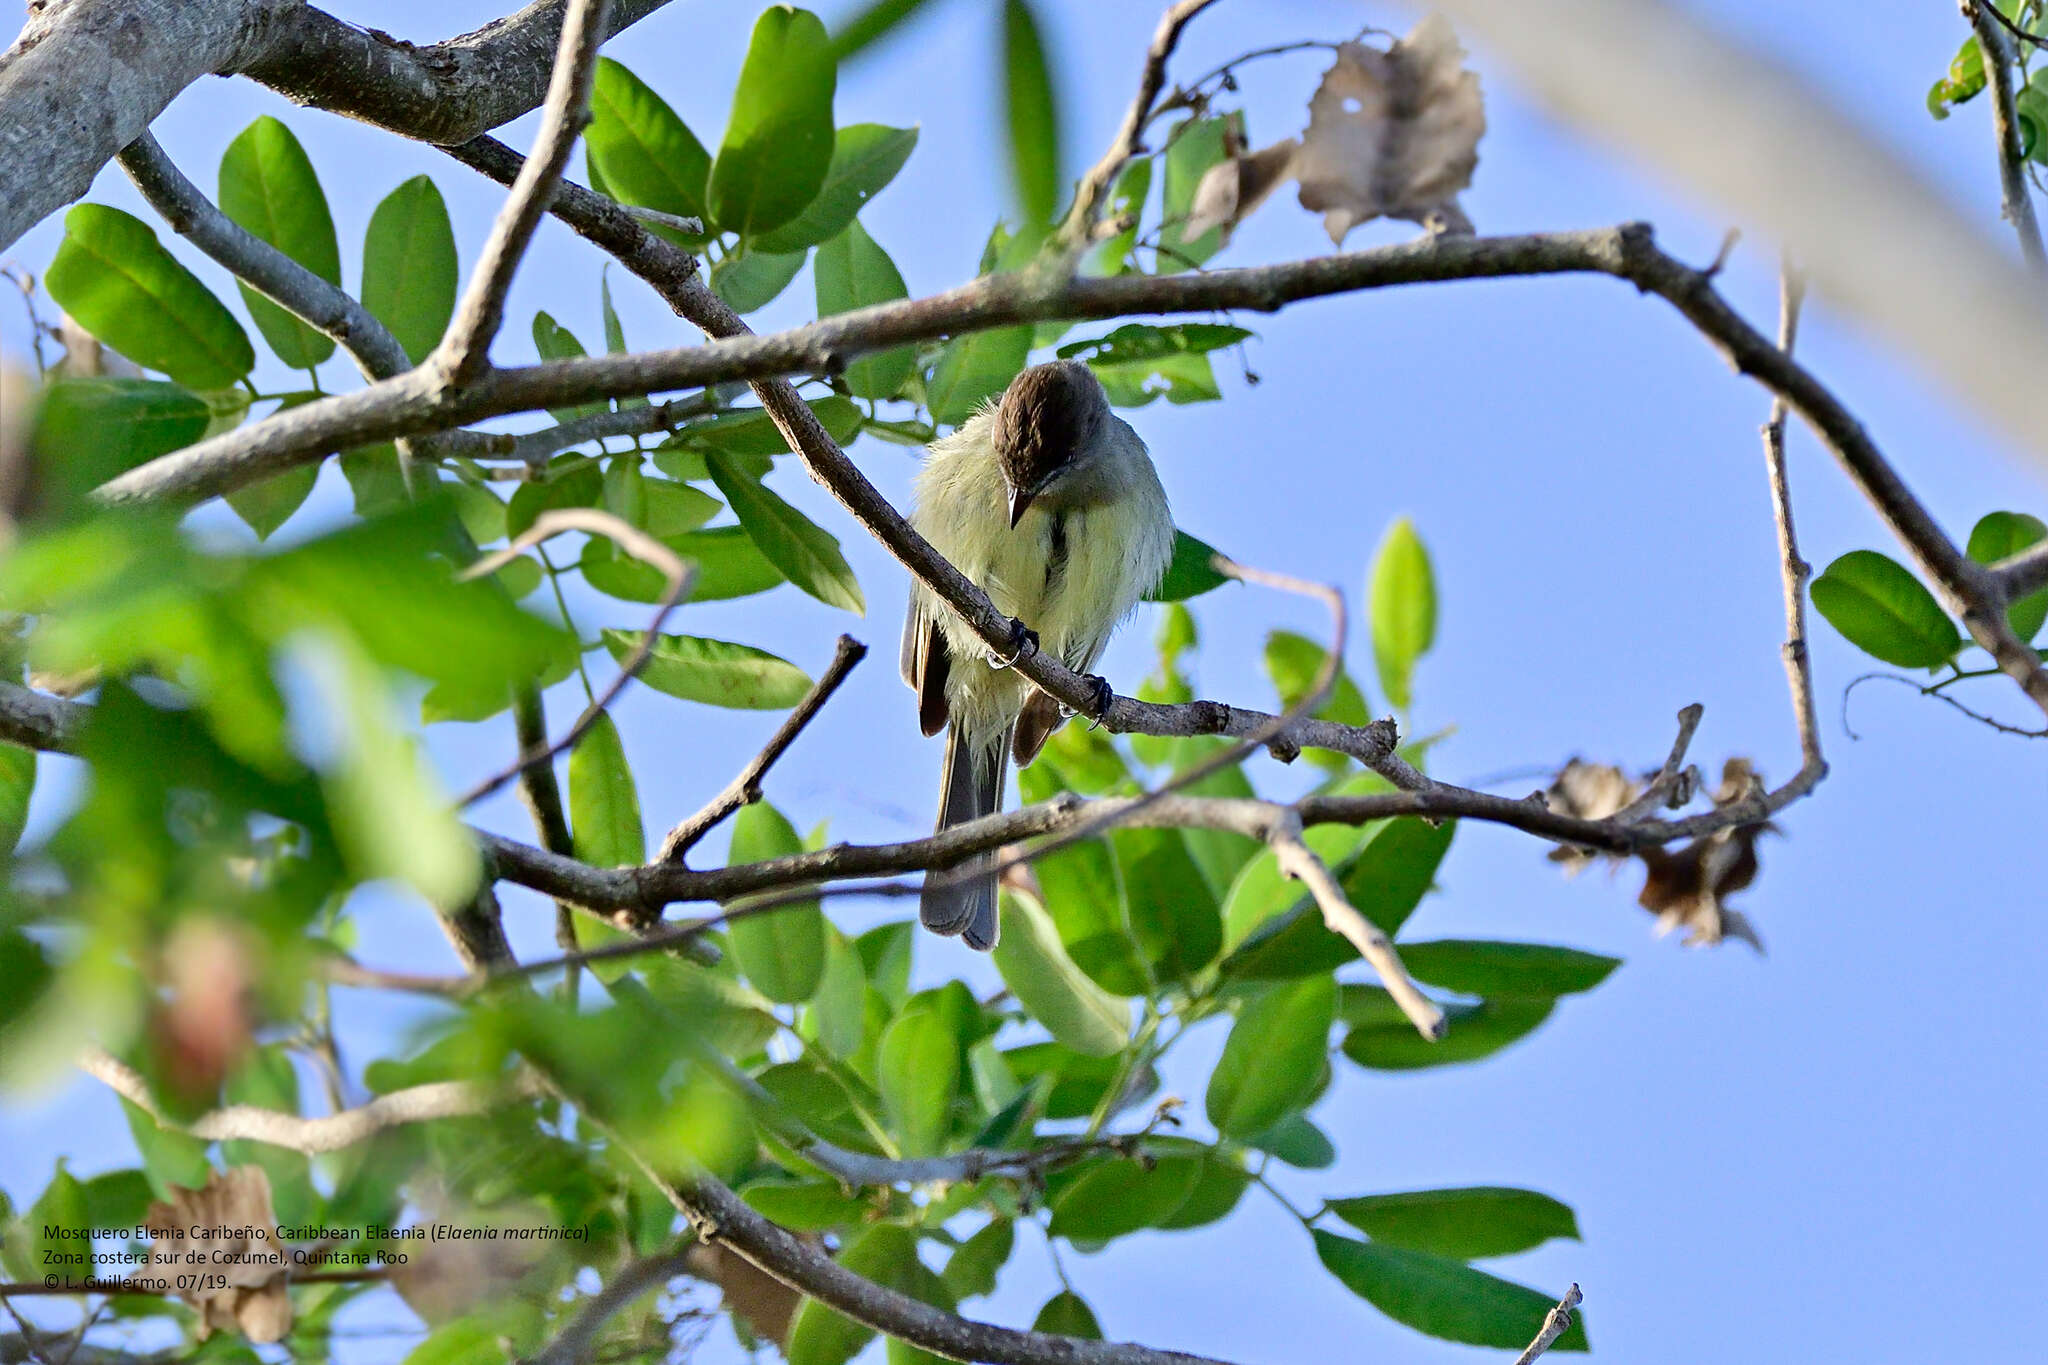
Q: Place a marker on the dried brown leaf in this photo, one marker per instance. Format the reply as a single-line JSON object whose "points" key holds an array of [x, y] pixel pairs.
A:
{"points": [[1686, 887], [1232, 188], [1590, 791], [447, 1276], [764, 1303], [228, 1223], [1393, 134]]}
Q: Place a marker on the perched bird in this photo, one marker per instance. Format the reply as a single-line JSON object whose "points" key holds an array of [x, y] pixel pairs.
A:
{"points": [[1049, 502]]}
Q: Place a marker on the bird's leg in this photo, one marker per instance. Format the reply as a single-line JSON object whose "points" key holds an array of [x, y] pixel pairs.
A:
{"points": [[1103, 695], [1023, 640]]}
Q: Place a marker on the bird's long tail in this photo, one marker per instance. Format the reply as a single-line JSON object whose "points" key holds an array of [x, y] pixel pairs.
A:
{"points": [[962, 899]]}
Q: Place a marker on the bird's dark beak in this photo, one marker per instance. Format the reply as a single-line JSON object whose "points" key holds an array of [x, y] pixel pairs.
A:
{"points": [[1020, 502]]}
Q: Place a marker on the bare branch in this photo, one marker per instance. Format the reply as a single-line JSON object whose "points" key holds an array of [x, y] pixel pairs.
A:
{"points": [[534, 448], [331, 1133], [1794, 571], [1340, 916], [745, 789], [634, 542], [464, 353], [1095, 186], [1673, 785], [574, 1344], [2018, 202], [36, 720], [1555, 1323], [2024, 572]]}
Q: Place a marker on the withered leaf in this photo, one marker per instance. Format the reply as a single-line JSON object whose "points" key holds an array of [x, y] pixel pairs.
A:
{"points": [[1233, 187], [1393, 134], [229, 1223], [1590, 791], [764, 1303], [1687, 887]]}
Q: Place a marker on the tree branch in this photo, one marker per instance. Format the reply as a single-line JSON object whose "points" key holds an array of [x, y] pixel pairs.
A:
{"points": [[444, 93], [2018, 203], [574, 1344], [1341, 917], [745, 789], [1095, 186], [464, 353], [1555, 1323], [1794, 571], [332, 1133]]}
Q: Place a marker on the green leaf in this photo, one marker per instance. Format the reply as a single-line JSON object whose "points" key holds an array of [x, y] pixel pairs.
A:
{"points": [[1442, 1297], [1476, 1031], [118, 1199], [555, 342], [1294, 663], [89, 430], [571, 482], [885, 953], [1480, 967], [865, 158], [1172, 913], [374, 478], [1118, 1196], [1965, 79], [1217, 1191], [1273, 1060], [1052, 990], [116, 279], [1882, 609], [1138, 361], [853, 272], [1998, 535], [1402, 603], [791, 541], [748, 432], [1034, 116], [975, 368], [1193, 146], [268, 186], [59, 1224], [604, 807], [778, 138], [1085, 901], [752, 279], [1126, 201], [715, 672], [1078, 1083], [1067, 1314], [809, 1206], [917, 1069], [269, 503], [971, 1273], [168, 1157], [614, 334], [781, 951], [1191, 572], [868, 26], [464, 1341], [1297, 1142], [728, 565], [645, 155], [673, 508], [409, 271], [17, 785], [837, 1014], [1464, 1224]]}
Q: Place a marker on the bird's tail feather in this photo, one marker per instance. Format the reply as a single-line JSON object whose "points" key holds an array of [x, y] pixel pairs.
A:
{"points": [[962, 899]]}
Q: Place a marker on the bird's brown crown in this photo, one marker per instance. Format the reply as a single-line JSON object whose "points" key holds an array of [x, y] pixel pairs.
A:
{"points": [[1046, 417]]}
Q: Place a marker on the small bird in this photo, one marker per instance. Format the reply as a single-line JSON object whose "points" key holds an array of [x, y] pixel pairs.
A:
{"points": [[1048, 501]]}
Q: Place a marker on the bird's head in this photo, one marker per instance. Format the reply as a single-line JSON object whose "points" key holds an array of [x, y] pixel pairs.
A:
{"points": [[1051, 421]]}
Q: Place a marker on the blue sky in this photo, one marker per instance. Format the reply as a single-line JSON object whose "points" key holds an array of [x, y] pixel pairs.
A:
{"points": [[1830, 1150]]}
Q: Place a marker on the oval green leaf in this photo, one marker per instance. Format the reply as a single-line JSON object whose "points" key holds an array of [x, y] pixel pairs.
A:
{"points": [[1273, 1060], [1882, 609], [791, 541], [853, 272], [1464, 1224], [865, 157], [604, 806], [1119, 1196], [1190, 573], [917, 1070], [975, 368], [1052, 990], [1484, 967], [409, 267], [1401, 599], [715, 672], [1998, 535], [1476, 1031], [1033, 115], [116, 279], [752, 279], [778, 138], [781, 951], [640, 149], [1067, 1314], [1441, 1297], [268, 186]]}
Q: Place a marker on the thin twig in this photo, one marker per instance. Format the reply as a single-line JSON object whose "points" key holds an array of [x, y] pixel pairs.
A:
{"points": [[1555, 1323], [533, 448], [2018, 202], [1341, 917], [464, 353], [633, 541], [574, 1344], [1673, 785], [689, 227], [746, 788], [1794, 571], [1095, 186]]}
